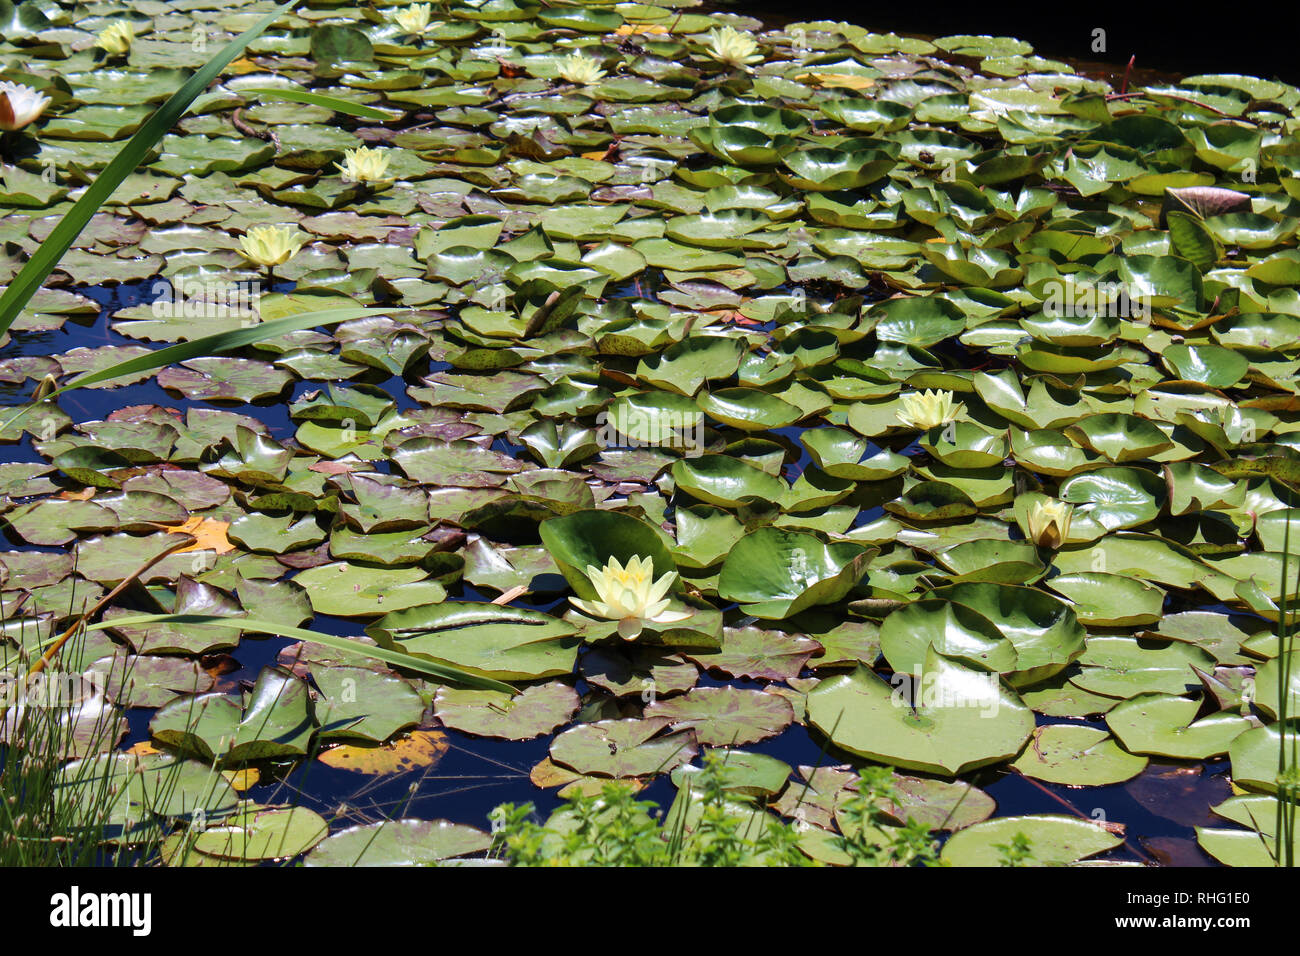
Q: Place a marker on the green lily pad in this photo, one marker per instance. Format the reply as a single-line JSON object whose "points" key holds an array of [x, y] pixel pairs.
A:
{"points": [[534, 711], [623, 748], [725, 716], [1125, 666], [1164, 725], [966, 719], [775, 574], [1109, 600], [503, 643], [1054, 840], [398, 843], [1077, 756], [276, 721], [357, 590]]}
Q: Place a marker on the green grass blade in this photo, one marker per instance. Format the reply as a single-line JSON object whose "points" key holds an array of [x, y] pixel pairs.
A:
{"points": [[207, 345], [317, 99], [220, 342], [48, 254], [439, 671]]}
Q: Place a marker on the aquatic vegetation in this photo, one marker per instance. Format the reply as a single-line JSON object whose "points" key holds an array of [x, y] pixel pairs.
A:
{"points": [[360, 165], [413, 19], [276, 245], [1049, 522], [713, 822], [928, 409], [935, 400], [580, 68], [728, 45], [115, 39], [20, 106], [630, 595]]}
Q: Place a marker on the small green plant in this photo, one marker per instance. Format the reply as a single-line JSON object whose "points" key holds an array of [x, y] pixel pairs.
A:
{"points": [[710, 825], [871, 838], [614, 828], [1018, 852]]}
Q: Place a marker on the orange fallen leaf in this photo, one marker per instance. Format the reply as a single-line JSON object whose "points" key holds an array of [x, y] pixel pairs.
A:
{"points": [[143, 748], [85, 494], [241, 780], [631, 29], [209, 535], [548, 774], [244, 65], [420, 748], [844, 81]]}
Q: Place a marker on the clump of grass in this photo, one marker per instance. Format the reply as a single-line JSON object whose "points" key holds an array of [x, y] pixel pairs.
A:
{"points": [[866, 819], [614, 828], [56, 810]]}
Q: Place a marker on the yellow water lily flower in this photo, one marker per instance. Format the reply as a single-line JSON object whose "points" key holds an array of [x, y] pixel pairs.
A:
{"points": [[364, 165], [1049, 522], [115, 39], [928, 409], [630, 596], [728, 45], [271, 245], [581, 69], [412, 19], [19, 105]]}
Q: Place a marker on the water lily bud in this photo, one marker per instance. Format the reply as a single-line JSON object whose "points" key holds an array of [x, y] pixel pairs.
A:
{"points": [[19, 106], [412, 19], [929, 409], [1049, 522], [630, 595], [115, 39], [364, 165], [271, 245], [580, 68], [44, 387], [727, 45]]}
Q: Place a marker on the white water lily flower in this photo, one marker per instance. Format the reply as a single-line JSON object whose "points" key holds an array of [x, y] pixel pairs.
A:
{"points": [[271, 245], [412, 19], [1049, 522], [630, 596], [364, 165], [581, 69], [928, 409], [727, 45], [19, 105], [115, 39]]}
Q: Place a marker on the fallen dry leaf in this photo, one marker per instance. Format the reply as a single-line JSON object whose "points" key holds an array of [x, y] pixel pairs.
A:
{"points": [[242, 780], [632, 29], [209, 535], [842, 81], [420, 748]]}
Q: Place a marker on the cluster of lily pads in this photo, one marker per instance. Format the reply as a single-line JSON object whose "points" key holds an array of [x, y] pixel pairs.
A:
{"points": [[807, 359]]}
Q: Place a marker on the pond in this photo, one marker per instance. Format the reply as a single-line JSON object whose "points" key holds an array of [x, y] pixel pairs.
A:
{"points": [[877, 449]]}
